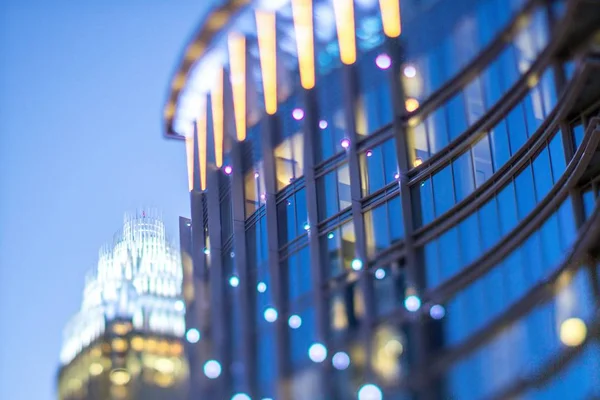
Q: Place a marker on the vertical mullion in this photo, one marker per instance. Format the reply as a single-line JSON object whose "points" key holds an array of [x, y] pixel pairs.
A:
{"points": [[414, 266], [245, 299], [569, 148], [269, 127], [350, 79], [317, 268], [219, 330], [191, 316], [201, 282]]}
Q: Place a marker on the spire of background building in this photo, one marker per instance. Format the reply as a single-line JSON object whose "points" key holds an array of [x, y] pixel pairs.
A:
{"points": [[126, 339]]}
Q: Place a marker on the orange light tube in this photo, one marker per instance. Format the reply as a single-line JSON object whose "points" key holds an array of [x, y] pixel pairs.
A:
{"points": [[217, 116], [303, 25], [189, 152], [344, 20], [202, 142], [267, 47], [237, 66], [390, 17]]}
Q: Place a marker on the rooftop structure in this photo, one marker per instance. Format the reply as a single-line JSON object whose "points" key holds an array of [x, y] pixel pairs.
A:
{"points": [[132, 298]]}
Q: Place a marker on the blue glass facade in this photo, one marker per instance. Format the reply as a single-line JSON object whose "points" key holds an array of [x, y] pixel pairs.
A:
{"points": [[423, 220]]}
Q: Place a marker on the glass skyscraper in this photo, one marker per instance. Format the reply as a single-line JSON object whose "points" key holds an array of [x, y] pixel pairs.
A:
{"points": [[392, 200], [126, 342]]}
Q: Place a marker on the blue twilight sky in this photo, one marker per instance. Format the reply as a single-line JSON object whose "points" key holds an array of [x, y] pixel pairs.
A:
{"points": [[82, 85]]}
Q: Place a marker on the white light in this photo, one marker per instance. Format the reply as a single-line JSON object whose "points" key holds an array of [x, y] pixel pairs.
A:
{"points": [[298, 114], [306, 226], [380, 273], [241, 396], [294, 321], [193, 335], [323, 124], [357, 264], [261, 287], [228, 170], [270, 314], [412, 303], [410, 71], [437, 312], [370, 392], [256, 175], [340, 360], [234, 281], [179, 305], [317, 353], [383, 61], [212, 369], [206, 250]]}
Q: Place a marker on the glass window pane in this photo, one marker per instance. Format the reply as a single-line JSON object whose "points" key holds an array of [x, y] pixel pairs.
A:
{"points": [[542, 174], [333, 192], [548, 89], [345, 198], [431, 262], [492, 82], [516, 128], [489, 224], [301, 213], [474, 100], [500, 145], [482, 161], [437, 130], [426, 196], [443, 191], [449, 249], [469, 239], [348, 244], [331, 107], [376, 227], [418, 141], [463, 176], [331, 245], [507, 209], [525, 192], [396, 219], [390, 161], [457, 117], [557, 156], [372, 178], [534, 110], [327, 195]]}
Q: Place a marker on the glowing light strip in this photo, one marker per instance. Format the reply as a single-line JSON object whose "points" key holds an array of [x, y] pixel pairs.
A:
{"points": [[202, 143], [267, 46], [237, 65], [217, 115], [390, 17], [344, 20], [189, 151], [303, 25]]}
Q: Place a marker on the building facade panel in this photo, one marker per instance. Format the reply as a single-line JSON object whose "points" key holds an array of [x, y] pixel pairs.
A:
{"points": [[404, 217]]}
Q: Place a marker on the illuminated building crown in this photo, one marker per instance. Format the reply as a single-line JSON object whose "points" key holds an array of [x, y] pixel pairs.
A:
{"points": [[138, 278]]}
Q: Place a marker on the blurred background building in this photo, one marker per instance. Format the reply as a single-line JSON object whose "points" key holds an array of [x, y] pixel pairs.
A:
{"points": [[126, 341], [392, 200]]}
